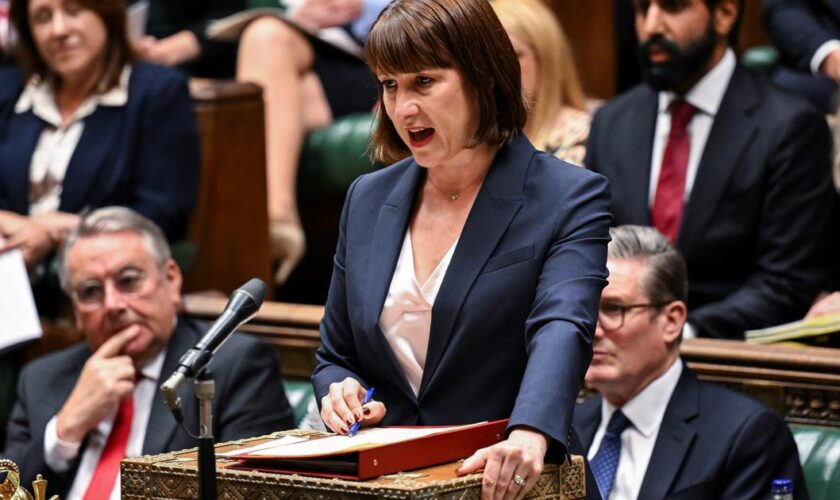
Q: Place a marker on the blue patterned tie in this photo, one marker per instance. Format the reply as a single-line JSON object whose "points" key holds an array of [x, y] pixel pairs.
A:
{"points": [[605, 462]]}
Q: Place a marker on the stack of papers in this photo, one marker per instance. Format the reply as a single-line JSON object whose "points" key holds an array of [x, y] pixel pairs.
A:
{"points": [[797, 330], [371, 453]]}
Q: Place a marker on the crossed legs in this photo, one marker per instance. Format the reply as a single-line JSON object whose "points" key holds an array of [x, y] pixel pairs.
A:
{"points": [[280, 60]]}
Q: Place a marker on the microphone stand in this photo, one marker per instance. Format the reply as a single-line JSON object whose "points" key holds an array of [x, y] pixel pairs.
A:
{"points": [[205, 388]]}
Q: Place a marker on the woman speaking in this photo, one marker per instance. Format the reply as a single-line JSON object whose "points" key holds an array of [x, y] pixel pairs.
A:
{"points": [[467, 276]]}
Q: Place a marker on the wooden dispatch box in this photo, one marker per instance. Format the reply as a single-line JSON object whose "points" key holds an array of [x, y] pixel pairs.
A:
{"points": [[174, 476]]}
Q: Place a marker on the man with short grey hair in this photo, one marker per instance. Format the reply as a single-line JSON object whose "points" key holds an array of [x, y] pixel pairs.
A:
{"points": [[654, 430], [82, 409]]}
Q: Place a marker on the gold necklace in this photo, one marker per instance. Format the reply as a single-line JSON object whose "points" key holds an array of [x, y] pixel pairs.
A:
{"points": [[449, 194]]}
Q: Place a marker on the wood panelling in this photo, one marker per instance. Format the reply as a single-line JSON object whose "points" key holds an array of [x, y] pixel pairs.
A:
{"points": [[590, 26], [230, 222]]}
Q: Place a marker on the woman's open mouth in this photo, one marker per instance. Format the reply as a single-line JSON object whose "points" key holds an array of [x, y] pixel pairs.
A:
{"points": [[419, 137]]}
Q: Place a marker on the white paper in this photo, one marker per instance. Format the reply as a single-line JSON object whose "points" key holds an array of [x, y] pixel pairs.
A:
{"points": [[18, 316], [366, 438], [274, 443], [137, 15]]}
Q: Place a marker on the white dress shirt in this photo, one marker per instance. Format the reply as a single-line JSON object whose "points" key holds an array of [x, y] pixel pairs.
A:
{"points": [[58, 141], [645, 412], [406, 318], [821, 53], [59, 454], [706, 96]]}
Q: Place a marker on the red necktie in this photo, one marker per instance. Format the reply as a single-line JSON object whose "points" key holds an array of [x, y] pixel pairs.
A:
{"points": [[670, 189], [105, 475]]}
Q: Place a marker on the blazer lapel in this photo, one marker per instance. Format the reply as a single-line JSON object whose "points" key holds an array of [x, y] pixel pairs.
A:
{"points": [[497, 202], [634, 174], [732, 131], [676, 435], [162, 425], [24, 131], [88, 164], [385, 246]]}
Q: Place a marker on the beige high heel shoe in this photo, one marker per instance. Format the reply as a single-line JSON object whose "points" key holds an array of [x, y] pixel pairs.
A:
{"points": [[288, 244]]}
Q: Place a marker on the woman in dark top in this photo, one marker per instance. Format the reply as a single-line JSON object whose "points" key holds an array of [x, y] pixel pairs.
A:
{"points": [[82, 125]]}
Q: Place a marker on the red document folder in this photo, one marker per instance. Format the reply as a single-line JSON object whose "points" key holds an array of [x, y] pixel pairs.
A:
{"points": [[368, 463]]}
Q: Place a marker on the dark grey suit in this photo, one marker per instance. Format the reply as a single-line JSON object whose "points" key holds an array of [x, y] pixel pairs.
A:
{"points": [[249, 400], [759, 204], [713, 444]]}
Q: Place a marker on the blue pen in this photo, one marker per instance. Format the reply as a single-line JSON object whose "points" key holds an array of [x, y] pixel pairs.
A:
{"points": [[355, 427]]}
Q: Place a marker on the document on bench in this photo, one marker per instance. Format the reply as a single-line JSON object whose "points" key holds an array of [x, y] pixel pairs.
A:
{"points": [[371, 453], [301, 447], [795, 331], [18, 317], [230, 28]]}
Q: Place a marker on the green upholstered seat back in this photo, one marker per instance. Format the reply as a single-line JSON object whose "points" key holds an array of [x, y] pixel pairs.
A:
{"points": [[819, 452], [333, 156], [298, 392], [762, 58], [256, 4]]}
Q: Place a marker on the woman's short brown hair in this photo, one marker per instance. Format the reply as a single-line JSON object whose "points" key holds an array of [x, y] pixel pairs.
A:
{"points": [[118, 51], [412, 35]]}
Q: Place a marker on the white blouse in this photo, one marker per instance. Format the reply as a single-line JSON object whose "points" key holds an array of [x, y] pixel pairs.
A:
{"points": [[57, 143], [406, 318]]}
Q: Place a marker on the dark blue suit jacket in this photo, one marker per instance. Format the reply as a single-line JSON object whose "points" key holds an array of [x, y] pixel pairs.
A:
{"points": [[760, 203], [713, 444], [514, 318], [249, 401], [799, 27], [144, 155]]}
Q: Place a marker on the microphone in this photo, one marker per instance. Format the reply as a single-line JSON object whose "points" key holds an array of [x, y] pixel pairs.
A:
{"points": [[244, 303]]}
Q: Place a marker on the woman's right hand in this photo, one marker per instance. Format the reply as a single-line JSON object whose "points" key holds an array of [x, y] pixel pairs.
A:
{"points": [[343, 407], [32, 238]]}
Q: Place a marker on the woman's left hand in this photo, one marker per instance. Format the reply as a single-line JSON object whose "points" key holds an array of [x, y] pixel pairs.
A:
{"points": [[512, 467]]}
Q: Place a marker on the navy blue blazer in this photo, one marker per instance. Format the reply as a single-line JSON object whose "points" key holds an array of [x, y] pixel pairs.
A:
{"points": [[513, 321], [249, 401], [713, 444], [762, 199], [799, 27], [144, 155]]}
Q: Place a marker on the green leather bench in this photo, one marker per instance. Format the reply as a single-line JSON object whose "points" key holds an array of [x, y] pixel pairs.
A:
{"points": [[819, 452], [761, 58], [298, 392], [332, 157]]}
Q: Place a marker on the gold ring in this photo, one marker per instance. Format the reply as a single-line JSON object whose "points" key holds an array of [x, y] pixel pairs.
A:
{"points": [[519, 480]]}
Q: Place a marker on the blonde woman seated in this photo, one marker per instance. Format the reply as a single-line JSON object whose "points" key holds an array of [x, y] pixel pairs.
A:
{"points": [[557, 120]]}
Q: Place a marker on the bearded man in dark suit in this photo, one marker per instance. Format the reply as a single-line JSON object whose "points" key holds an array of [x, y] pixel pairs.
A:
{"points": [[731, 169]]}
